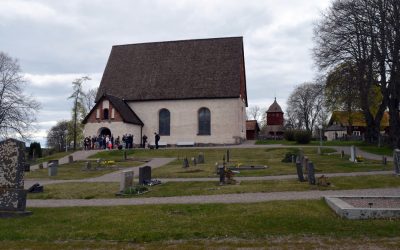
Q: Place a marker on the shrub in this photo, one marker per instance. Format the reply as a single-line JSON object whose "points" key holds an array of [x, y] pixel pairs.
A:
{"points": [[35, 150], [289, 135], [302, 136]]}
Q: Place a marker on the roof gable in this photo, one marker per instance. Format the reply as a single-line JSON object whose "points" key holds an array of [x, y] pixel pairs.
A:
{"points": [[190, 69], [127, 114]]}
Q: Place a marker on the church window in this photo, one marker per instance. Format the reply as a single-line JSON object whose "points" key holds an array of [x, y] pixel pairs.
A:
{"points": [[164, 120], [204, 116], [105, 114]]}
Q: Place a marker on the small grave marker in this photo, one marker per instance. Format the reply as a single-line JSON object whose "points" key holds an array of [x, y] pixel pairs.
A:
{"points": [[319, 151], [342, 154], [70, 159], [200, 158], [185, 163], [353, 153], [299, 169], [52, 167]]}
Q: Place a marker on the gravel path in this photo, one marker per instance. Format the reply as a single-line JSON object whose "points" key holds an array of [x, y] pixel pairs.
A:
{"points": [[202, 199]]}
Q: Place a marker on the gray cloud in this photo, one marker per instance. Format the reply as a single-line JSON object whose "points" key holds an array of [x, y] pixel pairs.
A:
{"points": [[57, 41]]}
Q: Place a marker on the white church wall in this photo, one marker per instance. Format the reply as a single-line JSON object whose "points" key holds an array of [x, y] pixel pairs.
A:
{"points": [[228, 120]]}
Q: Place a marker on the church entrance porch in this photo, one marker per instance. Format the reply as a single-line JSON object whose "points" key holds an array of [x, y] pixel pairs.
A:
{"points": [[104, 132]]}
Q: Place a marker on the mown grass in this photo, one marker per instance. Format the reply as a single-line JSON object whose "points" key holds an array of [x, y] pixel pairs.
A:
{"points": [[54, 156], [75, 170], [155, 223], [98, 190], [271, 157]]}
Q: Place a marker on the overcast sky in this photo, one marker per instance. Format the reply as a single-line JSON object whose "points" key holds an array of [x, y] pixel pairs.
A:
{"points": [[59, 41]]}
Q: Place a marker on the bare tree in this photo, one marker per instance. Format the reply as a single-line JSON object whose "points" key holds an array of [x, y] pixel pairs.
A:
{"points": [[17, 110], [304, 105], [365, 33], [88, 100], [254, 113], [77, 96]]}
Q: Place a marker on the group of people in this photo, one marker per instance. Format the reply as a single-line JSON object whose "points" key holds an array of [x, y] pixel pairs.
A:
{"points": [[108, 141]]}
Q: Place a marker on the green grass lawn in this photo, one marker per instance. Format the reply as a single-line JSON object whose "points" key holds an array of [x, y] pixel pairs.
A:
{"points": [[163, 223], [54, 156], [74, 170], [100, 190], [270, 157]]}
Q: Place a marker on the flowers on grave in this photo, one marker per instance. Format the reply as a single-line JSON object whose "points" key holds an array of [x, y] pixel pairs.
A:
{"points": [[359, 158], [108, 163], [238, 165]]}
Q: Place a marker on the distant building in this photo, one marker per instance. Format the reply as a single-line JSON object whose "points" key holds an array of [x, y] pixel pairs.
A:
{"points": [[274, 117], [186, 91], [252, 129], [343, 123]]}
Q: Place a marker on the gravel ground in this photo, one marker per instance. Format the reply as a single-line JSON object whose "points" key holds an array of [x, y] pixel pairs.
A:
{"points": [[365, 202]]}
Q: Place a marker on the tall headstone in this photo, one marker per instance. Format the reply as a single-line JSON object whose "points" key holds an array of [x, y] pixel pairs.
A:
{"points": [[305, 164], [52, 167], [12, 193], [70, 159], [311, 173], [185, 163], [353, 153], [144, 175], [299, 169], [396, 161], [126, 180], [200, 158]]}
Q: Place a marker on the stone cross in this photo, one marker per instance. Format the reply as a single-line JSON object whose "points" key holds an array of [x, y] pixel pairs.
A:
{"points": [[126, 180], [12, 193]]}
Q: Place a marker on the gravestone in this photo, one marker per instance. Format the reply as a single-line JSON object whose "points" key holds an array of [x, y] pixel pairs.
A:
{"points": [[384, 160], [342, 154], [299, 169], [200, 158], [70, 159], [311, 173], [353, 153], [125, 157], [52, 167], [144, 175], [12, 193], [126, 180], [227, 155], [221, 170], [319, 151], [194, 161], [88, 165], [396, 161], [305, 164], [185, 163], [41, 166], [35, 188]]}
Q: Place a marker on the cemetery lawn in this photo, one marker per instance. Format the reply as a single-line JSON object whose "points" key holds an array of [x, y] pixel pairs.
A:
{"points": [[161, 224], [271, 157], [54, 156], [75, 170], [98, 190]]}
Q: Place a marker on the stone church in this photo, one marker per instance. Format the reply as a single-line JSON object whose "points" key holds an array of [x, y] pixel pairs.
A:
{"points": [[187, 91]]}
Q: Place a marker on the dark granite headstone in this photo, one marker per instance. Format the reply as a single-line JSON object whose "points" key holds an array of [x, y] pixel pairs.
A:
{"points": [[299, 168], [12, 193], [36, 188], [70, 159], [144, 175], [384, 160], [311, 173], [185, 163], [396, 161], [221, 175], [342, 154], [200, 158]]}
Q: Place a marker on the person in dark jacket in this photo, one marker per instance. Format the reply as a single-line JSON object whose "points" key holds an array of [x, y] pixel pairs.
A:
{"points": [[144, 140], [156, 139]]}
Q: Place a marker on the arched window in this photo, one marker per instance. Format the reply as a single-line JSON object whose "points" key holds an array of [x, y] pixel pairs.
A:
{"points": [[105, 114], [164, 120], [204, 121]]}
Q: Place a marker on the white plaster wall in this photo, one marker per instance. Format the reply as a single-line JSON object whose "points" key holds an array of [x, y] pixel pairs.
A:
{"points": [[228, 120], [116, 128]]}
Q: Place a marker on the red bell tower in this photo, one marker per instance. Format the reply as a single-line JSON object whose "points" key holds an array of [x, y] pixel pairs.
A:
{"points": [[274, 120]]}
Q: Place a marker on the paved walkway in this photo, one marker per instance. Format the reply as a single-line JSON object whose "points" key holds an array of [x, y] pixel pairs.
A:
{"points": [[223, 198]]}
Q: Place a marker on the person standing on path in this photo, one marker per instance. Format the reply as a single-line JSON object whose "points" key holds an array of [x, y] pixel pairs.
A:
{"points": [[144, 141], [156, 139]]}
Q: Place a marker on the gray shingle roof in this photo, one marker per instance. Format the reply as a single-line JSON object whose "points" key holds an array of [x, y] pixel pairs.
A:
{"points": [[189, 69]]}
